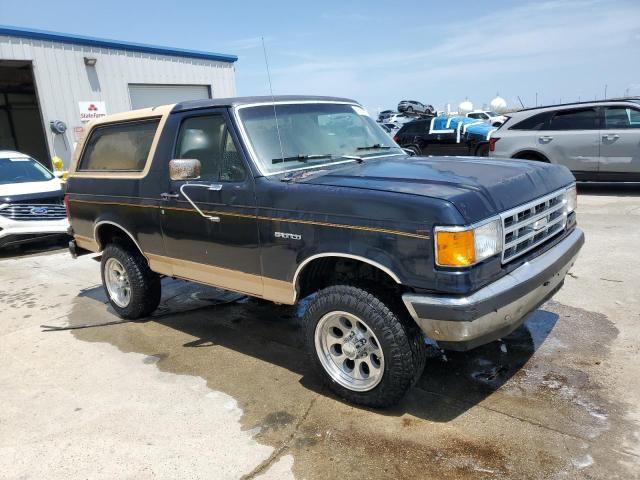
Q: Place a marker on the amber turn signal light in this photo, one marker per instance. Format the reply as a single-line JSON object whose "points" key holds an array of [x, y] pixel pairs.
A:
{"points": [[455, 249]]}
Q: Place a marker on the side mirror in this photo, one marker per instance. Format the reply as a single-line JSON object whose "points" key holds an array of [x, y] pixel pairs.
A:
{"points": [[184, 169]]}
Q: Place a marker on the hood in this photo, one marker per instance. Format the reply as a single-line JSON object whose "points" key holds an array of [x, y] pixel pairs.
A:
{"points": [[479, 187], [10, 191]]}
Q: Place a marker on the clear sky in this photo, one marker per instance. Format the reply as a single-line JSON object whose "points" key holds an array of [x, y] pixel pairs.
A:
{"points": [[380, 52]]}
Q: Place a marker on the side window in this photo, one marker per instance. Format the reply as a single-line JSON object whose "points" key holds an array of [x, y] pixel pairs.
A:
{"points": [[580, 119], [122, 147], [536, 122], [621, 117], [207, 139]]}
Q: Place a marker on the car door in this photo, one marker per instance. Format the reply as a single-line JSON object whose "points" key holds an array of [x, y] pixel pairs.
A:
{"points": [[620, 140], [209, 224], [571, 138]]}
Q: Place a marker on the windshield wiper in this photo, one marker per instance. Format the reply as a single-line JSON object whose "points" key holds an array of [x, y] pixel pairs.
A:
{"points": [[377, 146], [300, 158], [303, 158]]}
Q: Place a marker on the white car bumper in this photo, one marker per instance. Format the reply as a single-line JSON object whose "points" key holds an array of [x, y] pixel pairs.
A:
{"points": [[20, 231]]}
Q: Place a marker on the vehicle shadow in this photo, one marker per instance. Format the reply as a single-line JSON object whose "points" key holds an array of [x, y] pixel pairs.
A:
{"points": [[452, 383], [616, 189], [35, 247]]}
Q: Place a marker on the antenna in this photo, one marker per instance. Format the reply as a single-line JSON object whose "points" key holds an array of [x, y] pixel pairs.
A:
{"points": [[275, 113]]}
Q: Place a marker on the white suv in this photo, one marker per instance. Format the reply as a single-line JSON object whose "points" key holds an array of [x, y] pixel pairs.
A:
{"points": [[31, 200], [595, 140]]}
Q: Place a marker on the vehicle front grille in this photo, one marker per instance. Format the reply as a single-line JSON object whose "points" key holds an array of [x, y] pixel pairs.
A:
{"points": [[528, 226], [31, 212]]}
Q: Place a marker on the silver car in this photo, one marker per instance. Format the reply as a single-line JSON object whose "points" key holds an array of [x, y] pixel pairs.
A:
{"points": [[596, 140]]}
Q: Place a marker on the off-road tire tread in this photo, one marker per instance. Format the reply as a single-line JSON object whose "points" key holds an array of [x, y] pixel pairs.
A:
{"points": [[403, 345], [145, 284]]}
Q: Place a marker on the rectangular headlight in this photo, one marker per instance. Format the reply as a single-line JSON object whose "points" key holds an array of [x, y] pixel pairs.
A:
{"points": [[571, 199], [463, 247]]}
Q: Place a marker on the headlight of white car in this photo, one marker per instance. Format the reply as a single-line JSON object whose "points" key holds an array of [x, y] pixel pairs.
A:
{"points": [[463, 247]]}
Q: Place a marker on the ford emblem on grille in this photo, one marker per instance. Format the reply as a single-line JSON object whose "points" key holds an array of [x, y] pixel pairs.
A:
{"points": [[540, 224], [39, 211]]}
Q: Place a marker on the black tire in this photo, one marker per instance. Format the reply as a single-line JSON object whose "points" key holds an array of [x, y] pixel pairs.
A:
{"points": [[400, 339], [145, 284], [409, 110], [415, 150], [482, 150]]}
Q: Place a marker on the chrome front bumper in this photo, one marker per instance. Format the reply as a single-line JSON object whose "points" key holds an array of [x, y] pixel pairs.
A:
{"points": [[465, 322]]}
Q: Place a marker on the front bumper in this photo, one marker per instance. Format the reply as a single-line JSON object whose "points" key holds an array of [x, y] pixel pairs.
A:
{"points": [[18, 231], [494, 311]]}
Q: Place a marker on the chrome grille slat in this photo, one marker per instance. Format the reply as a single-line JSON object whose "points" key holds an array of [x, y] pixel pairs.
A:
{"points": [[530, 220], [533, 234], [23, 212], [520, 235]]}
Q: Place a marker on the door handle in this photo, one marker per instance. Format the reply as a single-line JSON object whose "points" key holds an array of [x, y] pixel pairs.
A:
{"points": [[545, 138], [614, 136], [216, 188], [167, 196]]}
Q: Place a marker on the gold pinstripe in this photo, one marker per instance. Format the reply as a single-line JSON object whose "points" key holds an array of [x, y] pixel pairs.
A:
{"points": [[258, 217]]}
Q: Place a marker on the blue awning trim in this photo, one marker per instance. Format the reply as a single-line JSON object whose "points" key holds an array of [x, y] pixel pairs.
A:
{"points": [[114, 44]]}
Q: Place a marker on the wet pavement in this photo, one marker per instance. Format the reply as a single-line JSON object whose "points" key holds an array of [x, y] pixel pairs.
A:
{"points": [[216, 385]]}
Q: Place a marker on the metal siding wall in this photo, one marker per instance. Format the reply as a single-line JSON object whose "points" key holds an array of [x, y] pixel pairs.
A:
{"points": [[63, 80]]}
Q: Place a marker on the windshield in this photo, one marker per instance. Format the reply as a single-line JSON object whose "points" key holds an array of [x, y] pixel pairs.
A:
{"points": [[493, 114], [21, 170], [312, 134]]}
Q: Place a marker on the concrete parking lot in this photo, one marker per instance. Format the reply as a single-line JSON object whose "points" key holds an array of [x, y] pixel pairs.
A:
{"points": [[218, 386]]}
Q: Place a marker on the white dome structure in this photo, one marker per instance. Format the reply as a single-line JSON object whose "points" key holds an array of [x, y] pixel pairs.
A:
{"points": [[498, 104], [465, 107]]}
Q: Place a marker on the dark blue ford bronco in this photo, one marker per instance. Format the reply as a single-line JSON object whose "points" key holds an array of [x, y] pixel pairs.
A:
{"points": [[294, 196]]}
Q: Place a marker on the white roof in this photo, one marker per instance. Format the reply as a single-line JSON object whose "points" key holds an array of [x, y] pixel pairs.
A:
{"points": [[12, 154]]}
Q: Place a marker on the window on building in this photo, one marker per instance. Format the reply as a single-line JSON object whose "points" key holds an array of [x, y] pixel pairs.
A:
{"points": [[122, 147]]}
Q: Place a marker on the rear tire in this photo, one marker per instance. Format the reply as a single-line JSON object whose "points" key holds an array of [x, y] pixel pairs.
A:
{"points": [[365, 352], [132, 288]]}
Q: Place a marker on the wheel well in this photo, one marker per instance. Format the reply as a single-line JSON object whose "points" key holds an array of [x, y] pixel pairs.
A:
{"points": [[107, 233], [530, 155], [325, 271]]}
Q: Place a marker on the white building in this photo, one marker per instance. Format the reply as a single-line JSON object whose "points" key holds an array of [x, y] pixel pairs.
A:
{"points": [[50, 80]]}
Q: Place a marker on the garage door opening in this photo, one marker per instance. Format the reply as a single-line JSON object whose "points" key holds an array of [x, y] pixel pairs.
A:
{"points": [[149, 95], [21, 126]]}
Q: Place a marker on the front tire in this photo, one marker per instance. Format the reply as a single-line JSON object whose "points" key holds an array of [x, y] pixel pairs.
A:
{"points": [[416, 151], [132, 288], [364, 351]]}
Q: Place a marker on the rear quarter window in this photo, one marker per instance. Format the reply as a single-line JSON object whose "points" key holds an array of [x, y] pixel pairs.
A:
{"points": [[122, 147], [535, 122]]}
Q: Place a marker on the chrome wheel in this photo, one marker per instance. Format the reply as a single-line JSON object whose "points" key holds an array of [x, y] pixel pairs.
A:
{"points": [[349, 351], [117, 282]]}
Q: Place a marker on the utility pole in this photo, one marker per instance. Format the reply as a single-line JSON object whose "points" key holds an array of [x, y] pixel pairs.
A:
{"points": [[605, 91], [536, 99]]}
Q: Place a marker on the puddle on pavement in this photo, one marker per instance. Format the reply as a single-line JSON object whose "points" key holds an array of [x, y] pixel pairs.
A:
{"points": [[494, 412]]}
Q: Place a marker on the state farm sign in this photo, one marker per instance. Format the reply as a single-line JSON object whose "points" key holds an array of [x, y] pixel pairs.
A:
{"points": [[91, 110]]}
